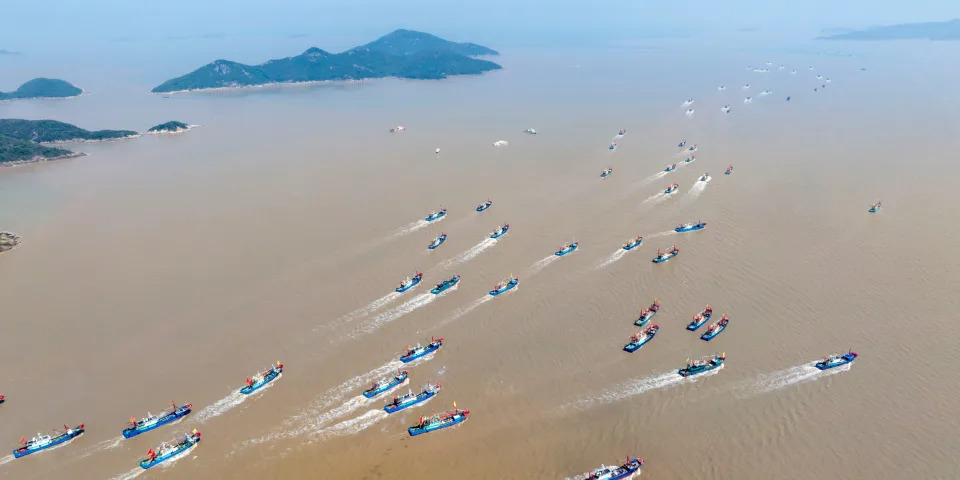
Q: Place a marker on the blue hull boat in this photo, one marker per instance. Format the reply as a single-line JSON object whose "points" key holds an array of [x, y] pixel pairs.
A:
{"points": [[503, 231], [729, 170], [410, 283], [436, 215], [613, 147], [700, 319], [875, 208], [419, 351], [606, 173], [383, 386], [633, 244], [663, 257], [622, 472], [670, 168], [150, 423], [689, 159], [703, 365], [567, 249], [504, 286], [648, 313], [437, 422], [188, 442], [484, 206], [671, 189], [437, 241], [836, 360], [262, 379], [690, 227], [43, 442], [445, 285], [410, 399], [639, 340], [715, 329]]}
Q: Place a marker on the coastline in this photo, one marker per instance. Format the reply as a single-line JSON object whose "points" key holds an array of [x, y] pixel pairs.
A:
{"points": [[81, 140], [40, 159], [82, 93]]}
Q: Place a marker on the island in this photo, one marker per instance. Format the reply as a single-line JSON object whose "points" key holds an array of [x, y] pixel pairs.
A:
{"points": [[17, 152], [43, 88], [949, 30], [8, 241], [169, 128], [46, 131], [402, 53]]}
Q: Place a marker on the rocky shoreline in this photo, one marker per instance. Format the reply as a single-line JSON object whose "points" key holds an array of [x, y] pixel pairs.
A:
{"points": [[8, 241]]}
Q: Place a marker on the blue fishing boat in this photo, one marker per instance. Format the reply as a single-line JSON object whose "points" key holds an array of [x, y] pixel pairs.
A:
{"points": [[606, 173], [671, 189], [613, 146], [682, 144], [715, 329], [702, 365], [436, 215], [504, 285], [170, 450], [438, 421], [664, 256], [836, 360], [444, 285], [648, 313], [421, 351], [622, 132], [670, 168], [261, 379], [700, 318], [624, 471], [729, 170], [689, 227], [500, 231], [567, 249], [409, 282], [485, 205], [437, 241], [875, 207], [693, 148], [690, 159], [383, 384], [151, 421], [633, 243], [410, 399], [43, 441], [640, 339], [705, 177]]}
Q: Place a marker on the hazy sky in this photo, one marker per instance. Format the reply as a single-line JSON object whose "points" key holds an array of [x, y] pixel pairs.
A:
{"points": [[23, 24]]}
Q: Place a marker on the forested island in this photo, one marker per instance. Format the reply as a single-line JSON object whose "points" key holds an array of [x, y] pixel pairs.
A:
{"points": [[8, 241], [170, 127], [949, 30], [43, 88], [402, 54], [21, 140]]}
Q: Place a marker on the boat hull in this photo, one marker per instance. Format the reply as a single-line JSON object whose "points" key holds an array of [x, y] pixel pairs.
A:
{"points": [[421, 397], [273, 375], [177, 414], [414, 431], [446, 286], [394, 383], [505, 288], [691, 228], [428, 351], [483, 207], [436, 243], [632, 245], [145, 464], [706, 337], [693, 326], [634, 346], [846, 359], [713, 365], [58, 440], [413, 283], [644, 319], [664, 258], [565, 251], [436, 216], [498, 235]]}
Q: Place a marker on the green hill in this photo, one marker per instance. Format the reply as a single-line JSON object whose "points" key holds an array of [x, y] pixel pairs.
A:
{"points": [[13, 151], [54, 131], [402, 53], [169, 127], [43, 88]]}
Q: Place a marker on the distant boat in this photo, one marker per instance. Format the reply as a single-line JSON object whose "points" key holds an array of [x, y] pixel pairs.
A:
{"points": [[715, 329], [151, 421], [689, 227], [445, 285], [567, 249], [700, 318], [702, 365], [437, 241], [721, 88], [705, 177], [876, 207], [436, 215], [485, 205], [671, 189], [500, 231], [421, 351], [746, 86], [500, 143], [788, 99], [409, 283], [836, 360], [729, 170], [633, 243], [682, 144], [410, 399], [647, 313], [624, 471], [690, 111], [397, 129], [622, 132], [664, 256], [383, 385], [670, 168], [747, 100], [530, 131], [690, 159], [613, 146], [606, 173]]}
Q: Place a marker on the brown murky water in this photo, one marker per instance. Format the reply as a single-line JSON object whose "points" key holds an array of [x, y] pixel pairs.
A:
{"points": [[166, 268]]}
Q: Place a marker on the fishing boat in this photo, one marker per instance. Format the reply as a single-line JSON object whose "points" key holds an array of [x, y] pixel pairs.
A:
{"points": [[384, 384], [3, 399], [151, 421], [397, 129], [690, 111], [837, 360], [640, 339], [690, 159], [705, 177], [716, 328], [624, 471], [567, 249], [421, 351], [530, 131], [485, 205], [693, 148], [704, 364], [436, 215], [648, 313], [875, 207], [633, 243], [438, 421], [606, 173], [43, 441], [721, 88], [700, 318], [410, 399], [664, 256], [729, 170], [500, 231], [689, 227], [788, 99], [409, 283], [670, 168], [682, 144], [437, 241], [168, 450], [260, 379], [504, 285], [671, 189], [444, 285], [622, 132], [613, 146]]}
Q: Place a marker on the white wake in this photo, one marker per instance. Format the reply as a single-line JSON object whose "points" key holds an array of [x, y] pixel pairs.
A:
{"points": [[633, 388], [770, 382], [617, 255], [470, 253]]}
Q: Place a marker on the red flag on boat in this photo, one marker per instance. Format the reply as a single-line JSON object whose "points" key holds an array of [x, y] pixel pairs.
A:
{"points": [[23, 439], [133, 419]]}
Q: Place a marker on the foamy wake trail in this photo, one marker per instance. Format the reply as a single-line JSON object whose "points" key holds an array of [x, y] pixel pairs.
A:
{"points": [[540, 265], [770, 382], [6, 459], [232, 400], [661, 234], [104, 445], [470, 253], [413, 227], [354, 425], [633, 388], [655, 197], [134, 473], [469, 308], [613, 258], [697, 189], [397, 312]]}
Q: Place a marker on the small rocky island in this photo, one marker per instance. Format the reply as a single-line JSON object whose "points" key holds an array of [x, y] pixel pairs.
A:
{"points": [[43, 88], [8, 241], [169, 128], [21, 141], [941, 31], [401, 54]]}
